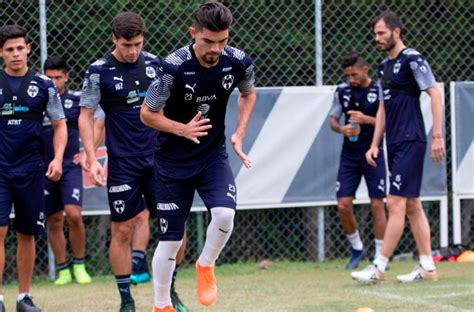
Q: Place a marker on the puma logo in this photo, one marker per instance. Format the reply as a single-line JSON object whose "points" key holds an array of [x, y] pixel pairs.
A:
{"points": [[189, 87], [380, 187], [232, 196], [397, 185], [41, 223], [118, 78]]}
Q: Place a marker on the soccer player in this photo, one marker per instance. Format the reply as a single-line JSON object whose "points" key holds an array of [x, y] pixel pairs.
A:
{"points": [[358, 99], [24, 96], [187, 104], [119, 82], [404, 74], [65, 194]]}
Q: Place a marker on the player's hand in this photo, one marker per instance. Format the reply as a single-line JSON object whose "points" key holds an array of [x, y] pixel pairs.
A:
{"points": [[76, 159], [371, 155], [196, 128], [96, 173], [348, 130], [83, 161], [437, 150], [236, 141], [357, 116], [55, 170]]}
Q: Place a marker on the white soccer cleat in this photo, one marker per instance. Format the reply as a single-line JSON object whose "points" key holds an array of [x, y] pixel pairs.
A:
{"points": [[368, 275], [418, 274]]}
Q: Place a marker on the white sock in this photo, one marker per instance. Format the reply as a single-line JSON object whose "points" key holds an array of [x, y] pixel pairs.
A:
{"points": [[22, 295], [1, 298], [378, 247], [427, 263], [355, 240], [163, 264], [381, 263], [218, 233]]}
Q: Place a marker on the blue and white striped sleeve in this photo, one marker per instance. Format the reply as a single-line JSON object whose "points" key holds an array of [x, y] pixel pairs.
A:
{"points": [[249, 77], [160, 90], [422, 73], [90, 97], [99, 113], [54, 108], [336, 108]]}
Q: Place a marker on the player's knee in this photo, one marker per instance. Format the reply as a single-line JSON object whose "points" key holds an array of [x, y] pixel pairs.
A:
{"points": [[166, 250], [223, 217], [55, 222], [344, 208], [74, 218], [394, 207], [122, 231]]}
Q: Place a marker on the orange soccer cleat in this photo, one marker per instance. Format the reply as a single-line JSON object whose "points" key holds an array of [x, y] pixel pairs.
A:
{"points": [[168, 308], [206, 284]]}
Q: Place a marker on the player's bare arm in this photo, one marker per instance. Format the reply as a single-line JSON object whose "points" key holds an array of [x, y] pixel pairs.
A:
{"points": [[86, 130], [437, 141], [55, 167], [245, 104], [361, 118], [373, 152], [345, 130], [192, 131]]}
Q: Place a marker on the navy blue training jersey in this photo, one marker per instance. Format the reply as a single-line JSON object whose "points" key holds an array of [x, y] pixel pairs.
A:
{"points": [[365, 100], [185, 87], [402, 80], [70, 101], [21, 114], [120, 88]]}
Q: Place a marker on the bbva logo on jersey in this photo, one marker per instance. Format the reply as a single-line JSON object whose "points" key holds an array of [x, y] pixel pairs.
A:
{"points": [[228, 81]]}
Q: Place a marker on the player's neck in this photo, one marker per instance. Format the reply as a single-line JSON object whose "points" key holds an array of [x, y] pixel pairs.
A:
{"points": [[16, 73], [366, 83], [118, 56], [393, 53], [61, 92]]}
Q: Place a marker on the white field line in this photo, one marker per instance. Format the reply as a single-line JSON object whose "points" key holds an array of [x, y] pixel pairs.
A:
{"points": [[466, 293], [418, 301]]}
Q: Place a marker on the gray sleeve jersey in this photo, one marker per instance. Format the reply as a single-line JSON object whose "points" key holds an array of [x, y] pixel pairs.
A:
{"points": [[90, 96], [54, 108], [99, 113], [336, 108], [421, 70]]}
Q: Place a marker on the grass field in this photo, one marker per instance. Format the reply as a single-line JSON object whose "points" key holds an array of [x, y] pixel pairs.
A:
{"points": [[285, 286]]}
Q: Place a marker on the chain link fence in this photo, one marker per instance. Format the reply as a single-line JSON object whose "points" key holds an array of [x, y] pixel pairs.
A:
{"points": [[280, 36]]}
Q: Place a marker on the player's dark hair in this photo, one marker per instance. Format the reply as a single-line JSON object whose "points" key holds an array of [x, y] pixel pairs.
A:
{"points": [[390, 18], [12, 32], [212, 15], [55, 62], [128, 25], [353, 59]]}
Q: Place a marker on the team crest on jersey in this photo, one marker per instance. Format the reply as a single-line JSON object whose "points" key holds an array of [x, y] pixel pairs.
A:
{"points": [[371, 97], [119, 206], [67, 103], [150, 72], [228, 81], [396, 67], [163, 225], [32, 91]]}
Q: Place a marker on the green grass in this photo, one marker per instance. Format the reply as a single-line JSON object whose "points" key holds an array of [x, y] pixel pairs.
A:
{"points": [[285, 286]]}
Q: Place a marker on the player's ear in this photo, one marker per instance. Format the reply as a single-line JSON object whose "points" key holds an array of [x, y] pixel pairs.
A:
{"points": [[28, 48], [397, 31], [192, 31], [114, 39]]}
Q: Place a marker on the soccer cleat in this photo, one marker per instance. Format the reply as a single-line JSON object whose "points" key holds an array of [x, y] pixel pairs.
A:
{"points": [[356, 257], [168, 308], [206, 284], [368, 275], [418, 274], [80, 274], [177, 303], [26, 305], [64, 277], [127, 306], [2, 306], [140, 278]]}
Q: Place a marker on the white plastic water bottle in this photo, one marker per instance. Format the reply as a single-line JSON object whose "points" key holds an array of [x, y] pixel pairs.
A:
{"points": [[356, 126]]}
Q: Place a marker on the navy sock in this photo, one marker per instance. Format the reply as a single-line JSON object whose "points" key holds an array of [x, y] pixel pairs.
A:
{"points": [[123, 284], [78, 260], [138, 258], [61, 266]]}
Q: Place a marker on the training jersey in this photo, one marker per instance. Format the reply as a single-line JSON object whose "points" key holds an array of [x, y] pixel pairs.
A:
{"points": [[120, 88], [70, 102], [402, 80], [365, 100], [185, 87], [23, 100]]}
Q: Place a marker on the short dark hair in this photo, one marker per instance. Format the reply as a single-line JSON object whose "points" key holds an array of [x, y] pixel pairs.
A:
{"points": [[352, 59], [391, 19], [128, 25], [12, 32], [55, 62], [212, 15]]}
